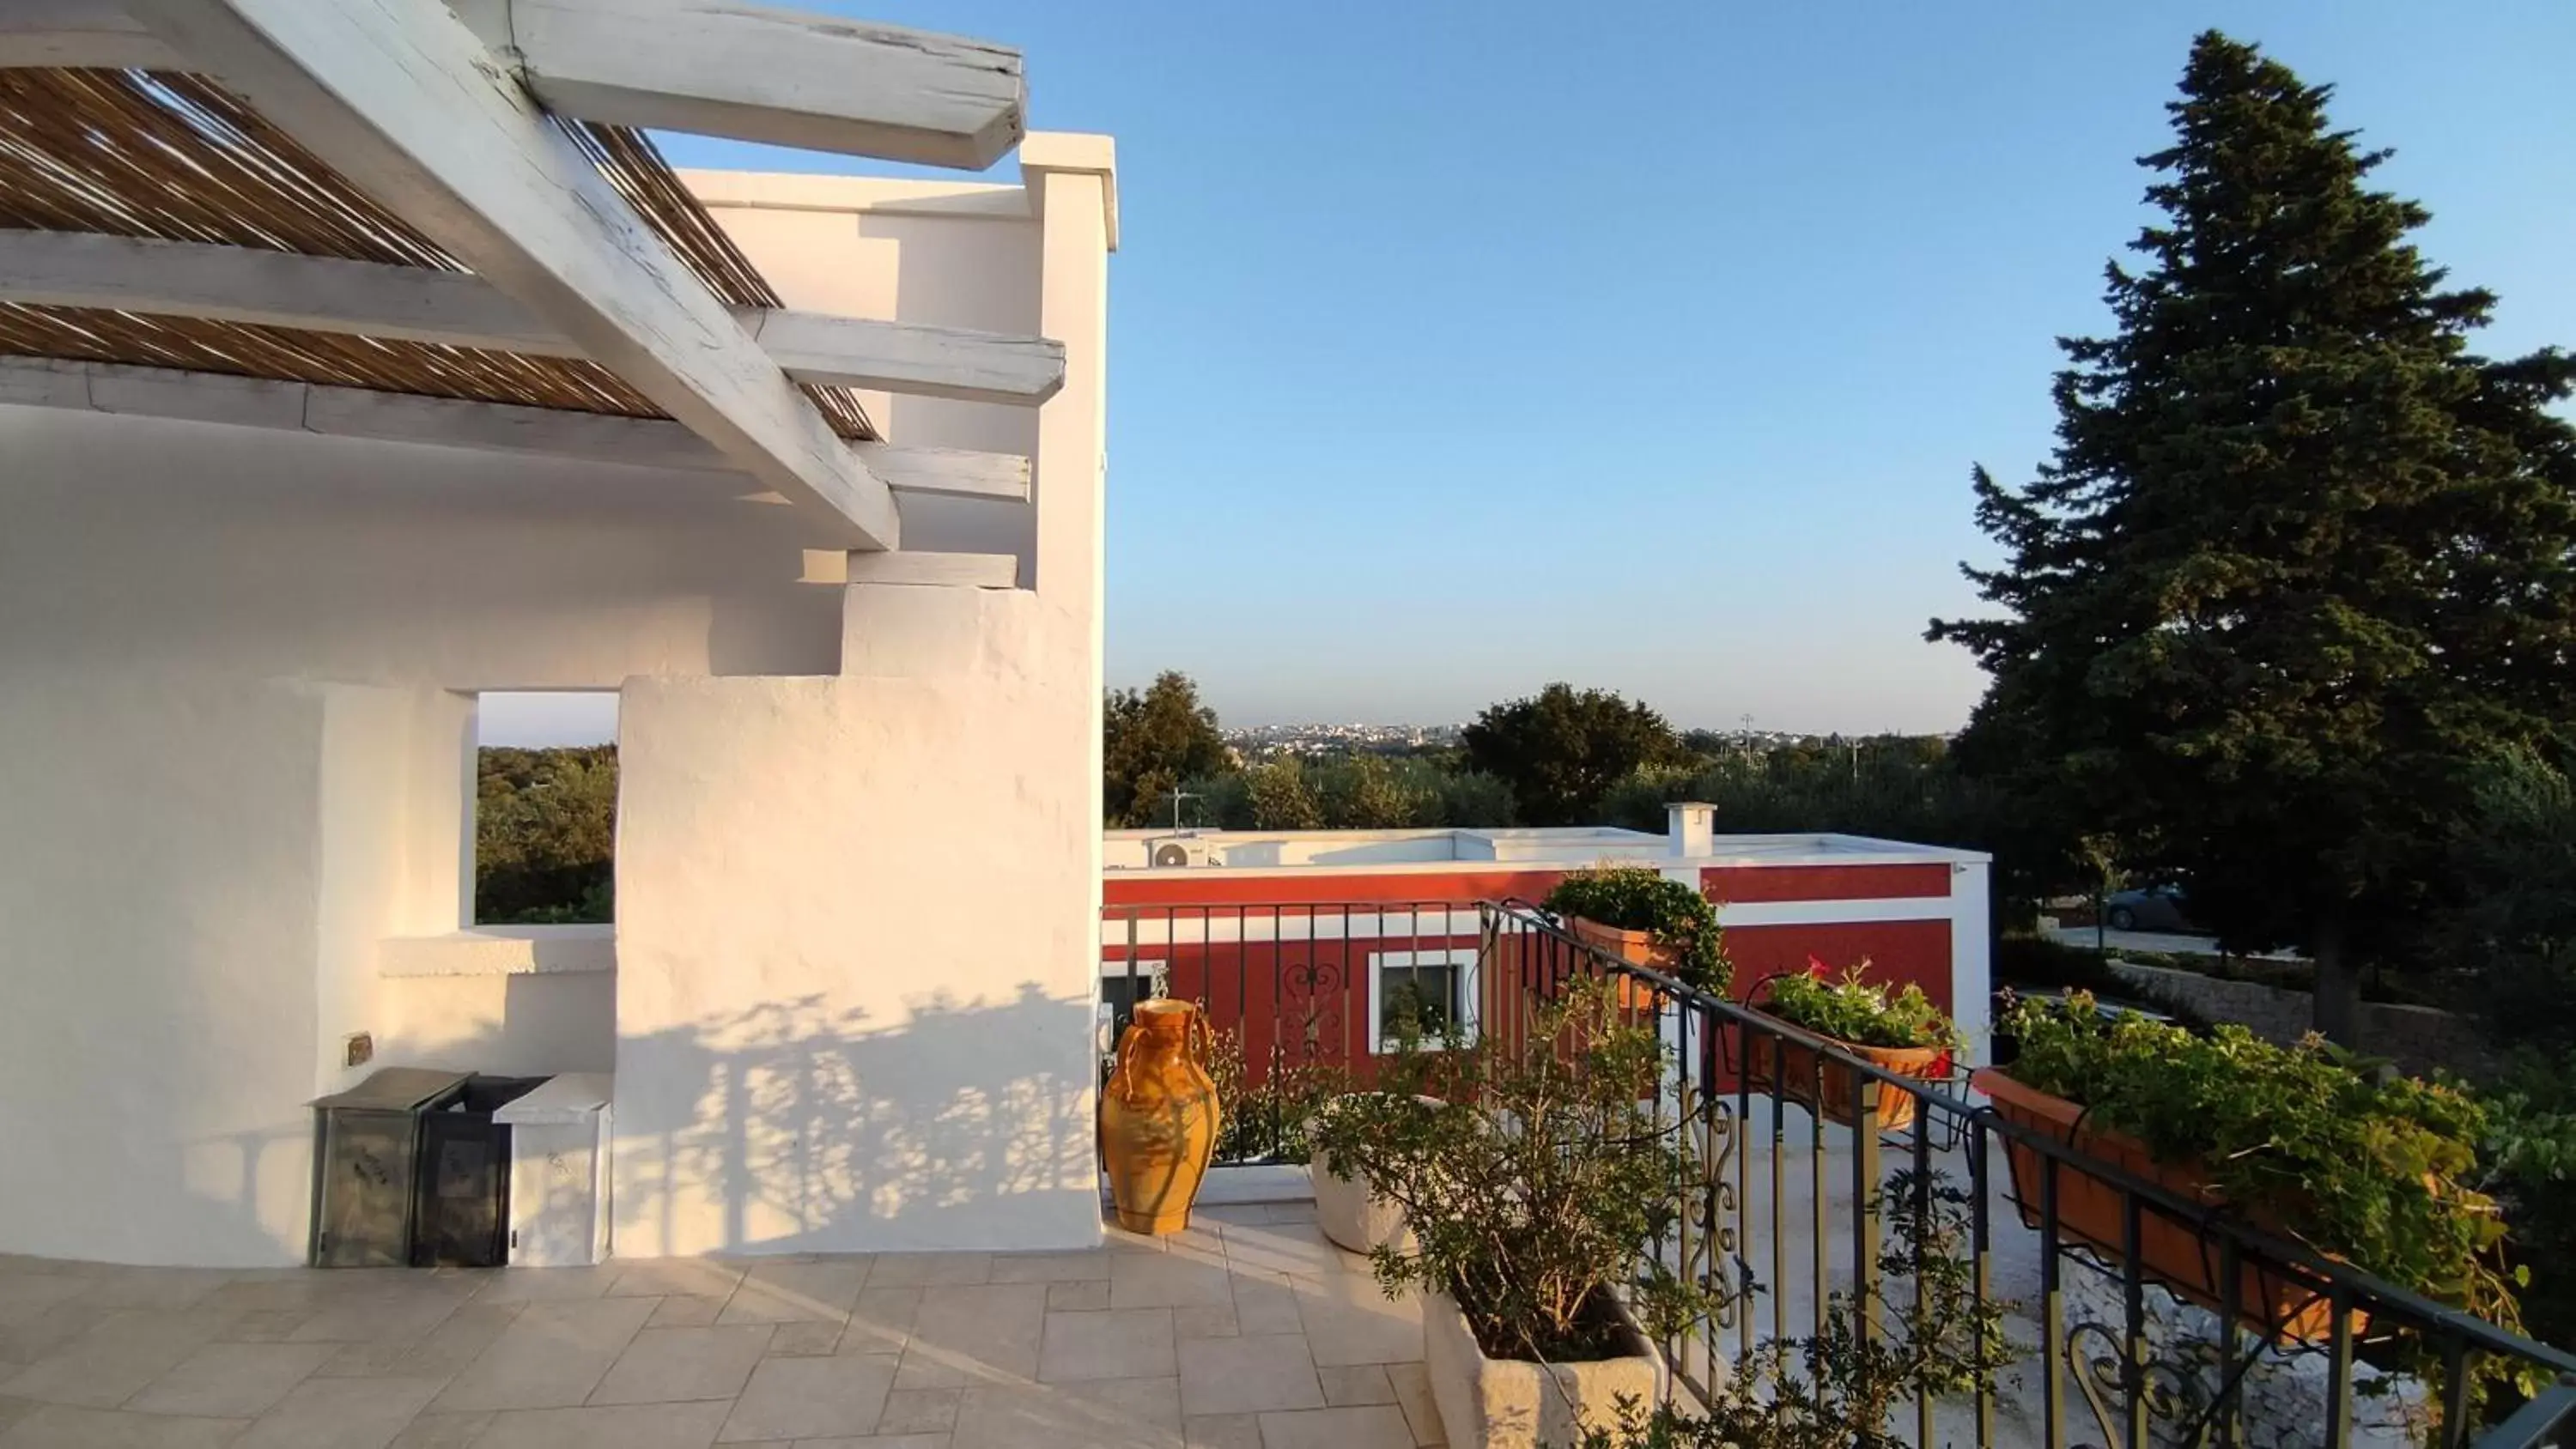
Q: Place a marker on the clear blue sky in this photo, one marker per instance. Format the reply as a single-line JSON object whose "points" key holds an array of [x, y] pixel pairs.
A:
{"points": [[1459, 348]]}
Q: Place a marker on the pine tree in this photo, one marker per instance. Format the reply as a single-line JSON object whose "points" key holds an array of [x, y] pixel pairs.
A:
{"points": [[1150, 742], [2301, 559]]}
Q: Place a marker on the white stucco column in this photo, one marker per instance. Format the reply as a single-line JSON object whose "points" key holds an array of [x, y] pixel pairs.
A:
{"points": [[1972, 977], [1691, 829], [858, 914]]}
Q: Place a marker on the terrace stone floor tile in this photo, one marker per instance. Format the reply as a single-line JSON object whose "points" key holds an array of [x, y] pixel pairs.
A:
{"points": [[810, 1398], [1249, 1374], [1100, 1348]]}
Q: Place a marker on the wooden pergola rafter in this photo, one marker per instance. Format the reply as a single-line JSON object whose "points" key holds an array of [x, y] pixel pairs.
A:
{"points": [[441, 117]]}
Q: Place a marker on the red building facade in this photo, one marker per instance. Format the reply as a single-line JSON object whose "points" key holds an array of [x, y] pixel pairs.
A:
{"points": [[1308, 956]]}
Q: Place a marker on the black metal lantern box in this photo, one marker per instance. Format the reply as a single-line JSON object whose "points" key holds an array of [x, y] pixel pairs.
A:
{"points": [[410, 1168]]}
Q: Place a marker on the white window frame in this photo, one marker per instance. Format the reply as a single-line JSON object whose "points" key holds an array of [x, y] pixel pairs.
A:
{"points": [[1155, 969], [1461, 959], [1153, 973]]}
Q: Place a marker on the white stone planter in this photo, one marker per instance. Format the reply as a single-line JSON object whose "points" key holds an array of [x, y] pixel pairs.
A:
{"points": [[1490, 1403], [1351, 1213]]}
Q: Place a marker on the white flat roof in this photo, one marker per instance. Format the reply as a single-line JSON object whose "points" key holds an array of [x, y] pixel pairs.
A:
{"points": [[1445, 849]]}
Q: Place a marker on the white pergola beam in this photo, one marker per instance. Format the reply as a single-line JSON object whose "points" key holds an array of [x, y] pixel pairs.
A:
{"points": [[910, 358], [949, 472], [942, 570], [387, 417], [269, 288], [372, 299], [708, 67], [404, 101], [80, 33], [713, 68]]}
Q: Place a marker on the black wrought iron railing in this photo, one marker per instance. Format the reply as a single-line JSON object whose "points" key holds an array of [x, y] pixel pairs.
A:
{"points": [[1300, 996], [2126, 1314]]}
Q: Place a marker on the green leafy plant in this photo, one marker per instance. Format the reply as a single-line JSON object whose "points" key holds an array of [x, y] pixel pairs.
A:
{"points": [[545, 835], [2376, 1170], [1640, 898], [1263, 1116], [1839, 1388], [2530, 1154], [2280, 711], [1562, 748], [1849, 1008], [1535, 1191]]}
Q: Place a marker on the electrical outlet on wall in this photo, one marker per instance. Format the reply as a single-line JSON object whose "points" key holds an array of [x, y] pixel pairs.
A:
{"points": [[357, 1049]]}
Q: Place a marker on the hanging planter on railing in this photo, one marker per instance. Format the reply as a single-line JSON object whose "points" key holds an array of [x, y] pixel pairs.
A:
{"points": [[1633, 913], [2092, 1212], [1902, 1034], [2294, 1141]]}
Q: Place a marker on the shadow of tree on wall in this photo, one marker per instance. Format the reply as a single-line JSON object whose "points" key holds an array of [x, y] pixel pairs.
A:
{"points": [[794, 1125]]}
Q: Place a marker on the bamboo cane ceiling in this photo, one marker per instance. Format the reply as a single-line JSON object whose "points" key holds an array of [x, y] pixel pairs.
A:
{"points": [[177, 158]]}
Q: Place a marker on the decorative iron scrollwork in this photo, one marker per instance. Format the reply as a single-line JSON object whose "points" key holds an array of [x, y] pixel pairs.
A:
{"points": [[2177, 1411], [1716, 1213], [1313, 987]]}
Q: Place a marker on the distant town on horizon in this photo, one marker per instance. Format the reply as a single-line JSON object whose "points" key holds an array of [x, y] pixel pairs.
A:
{"points": [[1323, 737]]}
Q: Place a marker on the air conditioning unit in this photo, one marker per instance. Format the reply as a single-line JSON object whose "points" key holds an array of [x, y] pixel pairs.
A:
{"points": [[1179, 850]]}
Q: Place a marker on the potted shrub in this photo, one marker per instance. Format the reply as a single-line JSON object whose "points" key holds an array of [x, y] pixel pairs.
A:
{"points": [[2306, 1146], [1533, 1196], [1899, 1032], [1634, 913], [1266, 1105], [1348, 1208]]}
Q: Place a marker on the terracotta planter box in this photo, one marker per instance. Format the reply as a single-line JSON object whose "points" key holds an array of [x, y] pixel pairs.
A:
{"points": [[1787, 1069], [1637, 948], [1503, 1403], [2089, 1212]]}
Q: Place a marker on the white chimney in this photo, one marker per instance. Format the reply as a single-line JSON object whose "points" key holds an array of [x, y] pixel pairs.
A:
{"points": [[1692, 831]]}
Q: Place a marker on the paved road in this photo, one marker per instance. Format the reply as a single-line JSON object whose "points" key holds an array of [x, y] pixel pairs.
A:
{"points": [[2167, 943]]}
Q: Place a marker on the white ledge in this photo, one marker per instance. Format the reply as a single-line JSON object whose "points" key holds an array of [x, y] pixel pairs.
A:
{"points": [[568, 1099], [501, 951]]}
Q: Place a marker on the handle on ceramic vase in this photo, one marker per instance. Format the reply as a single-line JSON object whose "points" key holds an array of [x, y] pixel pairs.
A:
{"points": [[1118, 1086], [1202, 1039]]}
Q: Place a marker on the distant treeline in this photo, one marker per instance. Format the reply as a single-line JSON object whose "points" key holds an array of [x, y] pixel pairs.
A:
{"points": [[1565, 756], [545, 830], [546, 820]]}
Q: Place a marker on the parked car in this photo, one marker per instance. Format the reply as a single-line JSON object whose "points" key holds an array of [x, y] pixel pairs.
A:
{"points": [[2148, 908]]}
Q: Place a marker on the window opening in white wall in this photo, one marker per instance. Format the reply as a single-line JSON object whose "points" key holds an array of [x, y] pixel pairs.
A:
{"points": [[1436, 988], [545, 807], [1120, 989]]}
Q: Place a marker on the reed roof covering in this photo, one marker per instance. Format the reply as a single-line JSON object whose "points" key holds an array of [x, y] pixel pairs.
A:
{"points": [[177, 158]]}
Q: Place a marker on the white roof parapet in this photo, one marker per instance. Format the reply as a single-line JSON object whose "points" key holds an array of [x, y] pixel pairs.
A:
{"points": [[1074, 152]]}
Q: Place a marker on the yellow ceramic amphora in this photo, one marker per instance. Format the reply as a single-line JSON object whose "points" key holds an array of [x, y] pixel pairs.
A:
{"points": [[1158, 1117]]}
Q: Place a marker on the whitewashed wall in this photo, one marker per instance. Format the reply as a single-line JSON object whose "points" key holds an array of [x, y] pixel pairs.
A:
{"points": [[236, 734], [858, 914], [234, 756], [511, 1000]]}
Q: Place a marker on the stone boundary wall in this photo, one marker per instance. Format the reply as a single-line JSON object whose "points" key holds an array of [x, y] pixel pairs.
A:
{"points": [[2419, 1039]]}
